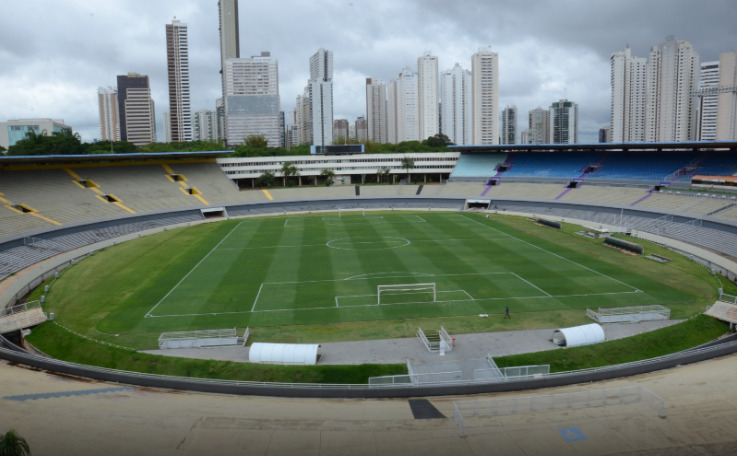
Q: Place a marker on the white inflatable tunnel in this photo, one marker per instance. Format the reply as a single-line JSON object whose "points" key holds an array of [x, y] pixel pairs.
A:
{"points": [[305, 354], [579, 335]]}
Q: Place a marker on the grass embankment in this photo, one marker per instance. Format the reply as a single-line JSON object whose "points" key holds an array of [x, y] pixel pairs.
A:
{"points": [[691, 333], [70, 347]]}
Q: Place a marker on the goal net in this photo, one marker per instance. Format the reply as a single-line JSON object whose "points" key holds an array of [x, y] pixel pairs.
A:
{"points": [[402, 291]]}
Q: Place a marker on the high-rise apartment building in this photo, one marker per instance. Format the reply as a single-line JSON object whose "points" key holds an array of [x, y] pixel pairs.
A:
{"points": [[376, 116], [321, 97], [672, 77], [402, 108], [538, 129], [229, 47], [177, 57], [136, 109], [629, 83], [727, 101], [252, 105], [708, 79], [229, 34], [361, 129], [427, 95], [341, 131], [485, 96], [564, 122], [107, 100], [509, 125], [302, 119], [205, 125], [455, 101], [167, 127]]}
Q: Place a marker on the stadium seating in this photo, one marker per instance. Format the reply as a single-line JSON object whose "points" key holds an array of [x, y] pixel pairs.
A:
{"points": [[543, 165], [642, 167], [480, 166], [58, 198]]}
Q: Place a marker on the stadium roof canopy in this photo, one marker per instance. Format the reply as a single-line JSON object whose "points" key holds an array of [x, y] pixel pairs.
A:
{"points": [[18, 160], [665, 147]]}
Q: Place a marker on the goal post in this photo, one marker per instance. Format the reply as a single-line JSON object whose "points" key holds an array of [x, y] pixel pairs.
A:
{"points": [[407, 288]]}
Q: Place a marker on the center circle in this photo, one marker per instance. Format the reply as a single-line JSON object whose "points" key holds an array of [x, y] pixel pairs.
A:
{"points": [[368, 243]]}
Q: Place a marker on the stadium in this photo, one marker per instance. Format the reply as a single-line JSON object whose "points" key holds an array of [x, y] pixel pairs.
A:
{"points": [[457, 236]]}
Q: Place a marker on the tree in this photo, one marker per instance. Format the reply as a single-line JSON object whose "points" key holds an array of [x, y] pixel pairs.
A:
{"points": [[407, 164], [438, 141], [3, 150], [266, 179], [288, 169], [257, 142], [328, 175], [12, 444]]}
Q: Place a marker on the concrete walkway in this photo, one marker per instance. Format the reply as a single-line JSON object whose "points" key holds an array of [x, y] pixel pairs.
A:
{"points": [[399, 351]]}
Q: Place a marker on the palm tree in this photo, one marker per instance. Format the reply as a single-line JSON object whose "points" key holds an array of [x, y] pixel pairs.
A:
{"points": [[12, 444], [288, 169], [407, 164]]}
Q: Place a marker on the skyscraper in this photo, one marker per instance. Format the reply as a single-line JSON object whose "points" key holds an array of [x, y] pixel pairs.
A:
{"points": [[252, 104], [205, 124], [427, 95], [455, 100], [727, 101], [229, 48], [177, 56], [538, 130], [107, 99], [672, 76], [376, 111], [485, 94], [136, 109], [341, 130], [361, 128], [321, 97], [402, 107], [564, 122], [302, 119], [509, 125], [229, 34], [629, 83], [709, 79]]}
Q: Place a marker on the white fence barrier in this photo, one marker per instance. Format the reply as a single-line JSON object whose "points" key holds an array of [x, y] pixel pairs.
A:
{"points": [[201, 338], [634, 314]]}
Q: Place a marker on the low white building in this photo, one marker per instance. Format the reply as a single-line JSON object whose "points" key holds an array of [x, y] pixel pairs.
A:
{"points": [[348, 169], [13, 131]]}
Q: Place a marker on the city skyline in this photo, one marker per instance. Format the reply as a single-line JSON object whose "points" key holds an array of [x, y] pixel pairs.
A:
{"points": [[544, 54]]}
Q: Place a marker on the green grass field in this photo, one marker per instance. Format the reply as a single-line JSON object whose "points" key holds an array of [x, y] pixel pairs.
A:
{"points": [[315, 278]]}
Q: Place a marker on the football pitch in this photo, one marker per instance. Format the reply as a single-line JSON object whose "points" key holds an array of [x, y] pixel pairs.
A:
{"points": [[329, 268], [324, 272]]}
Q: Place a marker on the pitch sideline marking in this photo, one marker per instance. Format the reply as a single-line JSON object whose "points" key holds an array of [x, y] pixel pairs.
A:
{"points": [[148, 314], [555, 254], [253, 308]]}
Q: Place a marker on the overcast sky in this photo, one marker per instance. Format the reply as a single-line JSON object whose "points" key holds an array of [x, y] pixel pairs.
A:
{"points": [[54, 54]]}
